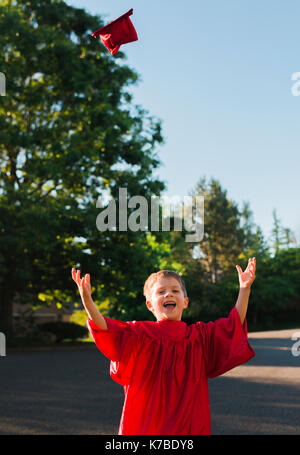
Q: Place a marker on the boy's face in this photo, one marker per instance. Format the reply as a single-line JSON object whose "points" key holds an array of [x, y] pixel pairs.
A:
{"points": [[167, 300]]}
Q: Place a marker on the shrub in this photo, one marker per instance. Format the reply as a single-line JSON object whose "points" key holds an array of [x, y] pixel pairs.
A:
{"points": [[64, 330]]}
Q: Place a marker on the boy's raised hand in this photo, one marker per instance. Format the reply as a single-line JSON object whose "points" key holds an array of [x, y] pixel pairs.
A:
{"points": [[84, 284], [247, 277]]}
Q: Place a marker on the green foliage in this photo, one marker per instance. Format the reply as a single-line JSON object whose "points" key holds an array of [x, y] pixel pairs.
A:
{"points": [[281, 237], [64, 330], [223, 236], [69, 135], [230, 238], [275, 295], [79, 317]]}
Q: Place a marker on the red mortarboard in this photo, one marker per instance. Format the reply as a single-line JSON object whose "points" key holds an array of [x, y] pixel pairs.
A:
{"points": [[120, 31]]}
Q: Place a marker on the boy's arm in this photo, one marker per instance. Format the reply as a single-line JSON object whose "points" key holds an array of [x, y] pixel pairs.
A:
{"points": [[246, 279], [84, 287]]}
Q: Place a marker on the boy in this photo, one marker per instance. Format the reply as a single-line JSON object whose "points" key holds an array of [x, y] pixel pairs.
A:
{"points": [[164, 365]]}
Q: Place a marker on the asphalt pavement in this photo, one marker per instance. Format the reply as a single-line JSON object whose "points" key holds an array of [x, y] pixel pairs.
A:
{"points": [[70, 392]]}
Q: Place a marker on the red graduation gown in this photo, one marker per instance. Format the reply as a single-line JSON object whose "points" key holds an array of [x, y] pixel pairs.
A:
{"points": [[164, 366]]}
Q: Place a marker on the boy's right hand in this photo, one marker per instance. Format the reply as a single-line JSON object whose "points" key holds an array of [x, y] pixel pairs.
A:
{"points": [[84, 284]]}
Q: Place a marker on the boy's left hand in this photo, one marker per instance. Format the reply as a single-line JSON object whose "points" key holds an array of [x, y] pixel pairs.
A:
{"points": [[247, 277]]}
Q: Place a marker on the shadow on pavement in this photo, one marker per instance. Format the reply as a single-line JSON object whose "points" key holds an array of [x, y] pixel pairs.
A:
{"points": [[239, 406], [71, 392]]}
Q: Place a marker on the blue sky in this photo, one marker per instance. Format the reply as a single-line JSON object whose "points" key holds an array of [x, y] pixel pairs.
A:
{"points": [[219, 76]]}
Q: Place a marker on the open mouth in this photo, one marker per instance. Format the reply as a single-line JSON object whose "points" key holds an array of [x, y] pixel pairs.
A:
{"points": [[169, 305]]}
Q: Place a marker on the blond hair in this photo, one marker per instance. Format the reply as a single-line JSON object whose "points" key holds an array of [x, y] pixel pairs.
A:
{"points": [[153, 278]]}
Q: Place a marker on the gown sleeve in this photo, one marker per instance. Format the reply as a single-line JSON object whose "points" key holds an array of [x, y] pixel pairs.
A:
{"points": [[225, 344], [118, 344]]}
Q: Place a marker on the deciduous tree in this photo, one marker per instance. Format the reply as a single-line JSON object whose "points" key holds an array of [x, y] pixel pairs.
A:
{"points": [[69, 133]]}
